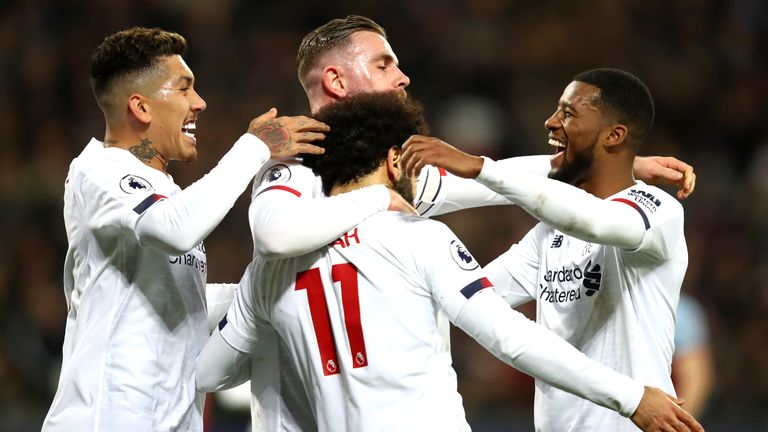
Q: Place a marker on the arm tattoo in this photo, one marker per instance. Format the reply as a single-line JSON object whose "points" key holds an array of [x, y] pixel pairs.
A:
{"points": [[275, 135], [143, 151]]}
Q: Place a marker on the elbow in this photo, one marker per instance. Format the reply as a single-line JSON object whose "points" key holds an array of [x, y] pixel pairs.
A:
{"points": [[271, 244], [618, 235], [174, 244], [204, 384]]}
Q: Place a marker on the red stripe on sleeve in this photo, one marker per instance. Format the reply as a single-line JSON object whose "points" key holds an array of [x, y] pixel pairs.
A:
{"points": [[442, 172], [281, 187], [636, 207]]}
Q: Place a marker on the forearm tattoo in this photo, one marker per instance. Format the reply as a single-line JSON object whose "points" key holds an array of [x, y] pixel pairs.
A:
{"points": [[143, 151], [275, 135]]}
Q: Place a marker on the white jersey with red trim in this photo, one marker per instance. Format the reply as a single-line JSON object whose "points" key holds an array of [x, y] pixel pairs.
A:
{"points": [[137, 316], [615, 305], [364, 324]]}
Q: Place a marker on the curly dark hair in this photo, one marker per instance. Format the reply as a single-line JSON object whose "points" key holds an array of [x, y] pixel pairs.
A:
{"points": [[624, 96], [333, 34], [130, 52], [363, 129]]}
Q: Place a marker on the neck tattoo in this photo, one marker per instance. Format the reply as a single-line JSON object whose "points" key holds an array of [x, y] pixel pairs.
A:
{"points": [[145, 153]]}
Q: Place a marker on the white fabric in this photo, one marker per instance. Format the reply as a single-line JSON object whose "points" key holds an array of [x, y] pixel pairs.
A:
{"points": [[616, 305], [218, 297], [286, 218], [137, 314], [177, 225], [284, 226], [408, 277], [456, 193]]}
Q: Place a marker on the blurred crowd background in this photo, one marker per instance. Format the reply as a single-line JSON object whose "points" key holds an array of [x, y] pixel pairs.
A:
{"points": [[489, 72]]}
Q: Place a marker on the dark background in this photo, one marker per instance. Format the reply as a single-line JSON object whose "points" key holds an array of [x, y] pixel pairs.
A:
{"points": [[489, 72]]}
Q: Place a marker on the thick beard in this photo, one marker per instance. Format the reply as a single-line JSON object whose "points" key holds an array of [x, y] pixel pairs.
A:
{"points": [[404, 186], [576, 170]]}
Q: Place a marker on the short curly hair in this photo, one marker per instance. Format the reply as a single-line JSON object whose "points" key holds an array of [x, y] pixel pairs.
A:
{"points": [[624, 96], [363, 129], [129, 53]]}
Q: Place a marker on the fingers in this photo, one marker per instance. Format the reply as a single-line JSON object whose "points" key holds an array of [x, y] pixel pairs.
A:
{"points": [[309, 137], [308, 149], [689, 184], [269, 115], [412, 161], [684, 176], [303, 124], [674, 399], [690, 424]]}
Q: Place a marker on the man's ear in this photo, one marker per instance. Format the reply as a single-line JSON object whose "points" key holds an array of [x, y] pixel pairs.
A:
{"points": [[139, 108], [617, 136], [334, 83], [394, 163]]}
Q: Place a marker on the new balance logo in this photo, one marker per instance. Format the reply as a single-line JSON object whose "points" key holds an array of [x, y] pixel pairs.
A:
{"points": [[557, 242], [592, 278]]}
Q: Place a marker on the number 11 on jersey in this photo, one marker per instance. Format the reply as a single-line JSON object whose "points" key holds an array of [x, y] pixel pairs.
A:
{"points": [[346, 275]]}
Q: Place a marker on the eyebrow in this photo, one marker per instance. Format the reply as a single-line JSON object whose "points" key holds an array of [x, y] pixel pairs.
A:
{"points": [[386, 57], [568, 105], [184, 80]]}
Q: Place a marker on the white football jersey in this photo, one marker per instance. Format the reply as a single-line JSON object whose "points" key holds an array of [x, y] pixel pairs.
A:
{"points": [[364, 324], [617, 306], [136, 318]]}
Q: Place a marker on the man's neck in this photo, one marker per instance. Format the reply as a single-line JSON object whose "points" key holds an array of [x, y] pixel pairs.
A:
{"points": [[141, 148], [607, 182], [377, 177]]}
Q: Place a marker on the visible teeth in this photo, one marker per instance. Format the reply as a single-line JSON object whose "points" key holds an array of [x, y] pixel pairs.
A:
{"points": [[556, 143], [188, 129]]}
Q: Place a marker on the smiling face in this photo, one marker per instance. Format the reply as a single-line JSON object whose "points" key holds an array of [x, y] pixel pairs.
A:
{"points": [[370, 65], [175, 107], [574, 130]]}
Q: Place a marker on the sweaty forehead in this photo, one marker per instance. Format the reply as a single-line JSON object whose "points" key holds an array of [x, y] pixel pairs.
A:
{"points": [[371, 45]]}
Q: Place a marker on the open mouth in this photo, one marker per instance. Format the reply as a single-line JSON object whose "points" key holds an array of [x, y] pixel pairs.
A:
{"points": [[557, 157], [559, 146], [188, 129]]}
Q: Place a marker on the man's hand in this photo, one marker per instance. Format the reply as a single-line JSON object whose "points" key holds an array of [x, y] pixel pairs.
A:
{"points": [[398, 203], [288, 136], [661, 170], [659, 411], [419, 151]]}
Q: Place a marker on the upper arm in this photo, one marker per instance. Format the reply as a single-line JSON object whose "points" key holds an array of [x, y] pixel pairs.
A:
{"points": [[278, 188], [449, 270], [115, 198], [662, 220]]}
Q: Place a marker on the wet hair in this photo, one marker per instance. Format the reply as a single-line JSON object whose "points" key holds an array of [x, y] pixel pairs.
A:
{"points": [[624, 96], [363, 129], [334, 34], [129, 54]]}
